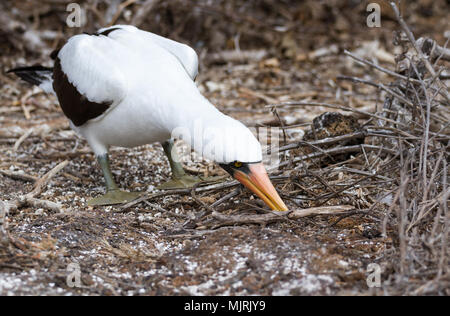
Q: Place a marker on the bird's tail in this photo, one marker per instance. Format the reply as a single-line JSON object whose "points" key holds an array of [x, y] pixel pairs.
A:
{"points": [[37, 75]]}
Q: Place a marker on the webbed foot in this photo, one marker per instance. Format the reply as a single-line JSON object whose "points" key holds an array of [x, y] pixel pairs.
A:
{"points": [[113, 197]]}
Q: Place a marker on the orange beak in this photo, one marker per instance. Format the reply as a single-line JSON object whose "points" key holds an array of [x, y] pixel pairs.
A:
{"points": [[257, 181]]}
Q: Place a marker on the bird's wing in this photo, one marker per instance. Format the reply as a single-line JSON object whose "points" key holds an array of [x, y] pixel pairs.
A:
{"points": [[185, 54], [90, 73], [87, 77], [36, 75]]}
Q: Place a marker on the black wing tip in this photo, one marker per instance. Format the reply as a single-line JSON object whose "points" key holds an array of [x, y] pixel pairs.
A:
{"points": [[32, 74], [29, 68], [105, 32]]}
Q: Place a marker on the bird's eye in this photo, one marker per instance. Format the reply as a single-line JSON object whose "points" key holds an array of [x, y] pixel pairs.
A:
{"points": [[238, 164]]}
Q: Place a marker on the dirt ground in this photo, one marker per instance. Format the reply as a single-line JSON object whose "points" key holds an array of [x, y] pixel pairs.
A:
{"points": [[163, 246]]}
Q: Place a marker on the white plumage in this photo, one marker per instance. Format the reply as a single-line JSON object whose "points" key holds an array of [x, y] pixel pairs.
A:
{"points": [[126, 87], [149, 80]]}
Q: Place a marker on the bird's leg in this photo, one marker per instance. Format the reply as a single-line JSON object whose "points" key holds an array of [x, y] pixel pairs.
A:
{"points": [[174, 160], [180, 179], [103, 161], [113, 194]]}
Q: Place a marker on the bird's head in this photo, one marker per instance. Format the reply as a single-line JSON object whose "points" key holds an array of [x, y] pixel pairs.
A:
{"points": [[253, 176], [241, 157], [233, 146]]}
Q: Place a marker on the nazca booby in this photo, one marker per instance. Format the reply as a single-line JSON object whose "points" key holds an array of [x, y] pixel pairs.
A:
{"points": [[123, 86]]}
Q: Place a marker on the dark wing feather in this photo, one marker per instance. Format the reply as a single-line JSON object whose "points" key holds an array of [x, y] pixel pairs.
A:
{"points": [[75, 105], [35, 75]]}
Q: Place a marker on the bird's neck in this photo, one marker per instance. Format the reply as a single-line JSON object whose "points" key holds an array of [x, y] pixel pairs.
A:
{"points": [[199, 125], [190, 111]]}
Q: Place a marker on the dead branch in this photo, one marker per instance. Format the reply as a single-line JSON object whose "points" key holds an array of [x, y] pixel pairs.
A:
{"points": [[323, 141], [38, 203], [260, 219], [42, 182], [196, 233], [143, 12], [432, 49], [286, 105], [377, 85], [18, 176], [418, 50], [378, 67], [323, 210], [271, 217], [30, 199], [22, 138], [148, 197], [336, 150], [234, 56], [121, 7]]}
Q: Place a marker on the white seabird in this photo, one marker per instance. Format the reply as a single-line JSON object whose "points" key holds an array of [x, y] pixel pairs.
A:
{"points": [[122, 86]]}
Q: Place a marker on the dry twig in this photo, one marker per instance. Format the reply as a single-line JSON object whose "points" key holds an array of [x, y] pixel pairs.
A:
{"points": [[30, 199]]}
